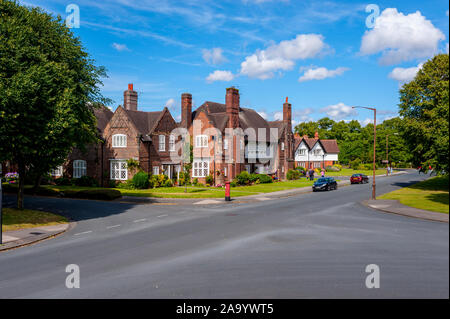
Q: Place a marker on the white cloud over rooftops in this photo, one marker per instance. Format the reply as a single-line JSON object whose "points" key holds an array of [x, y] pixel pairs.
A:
{"points": [[282, 56], [321, 73], [399, 37]]}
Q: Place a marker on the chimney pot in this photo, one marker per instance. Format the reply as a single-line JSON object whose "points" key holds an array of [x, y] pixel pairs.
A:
{"points": [[186, 110], [130, 98], [316, 135]]}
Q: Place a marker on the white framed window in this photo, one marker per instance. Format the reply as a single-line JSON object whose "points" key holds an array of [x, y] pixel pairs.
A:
{"points": [[155, 170], [119, 170], [172, 143], [57, 172], [225, 171], [317, 152], [119, 140], [201, 141], [302, 151], [162, 143], [225, 144], [317, 164], [200, 168], [79, 168], [282, 146]]}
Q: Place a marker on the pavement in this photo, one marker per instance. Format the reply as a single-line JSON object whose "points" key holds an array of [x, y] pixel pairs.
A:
{"points": [[395, 207], [311, 245], [23, 237]]}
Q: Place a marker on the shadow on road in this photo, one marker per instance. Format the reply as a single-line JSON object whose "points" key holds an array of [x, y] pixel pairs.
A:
{"points": [[74, 209]]}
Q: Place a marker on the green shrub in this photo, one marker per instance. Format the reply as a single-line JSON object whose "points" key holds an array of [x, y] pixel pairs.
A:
{"points": [[195, 181], [355, 164], [338, 166], [332, 169], [233, 183], [168, 183], [85, 181], [126, 185], [184, 178], [100, 194], [209, 179], [140, 180], [292, 174], [63, 181], [265, 179], [243, 178], [253, 178]]}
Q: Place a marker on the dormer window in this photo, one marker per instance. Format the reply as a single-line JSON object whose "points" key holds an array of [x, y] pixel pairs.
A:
{"points": [[119, 140]]}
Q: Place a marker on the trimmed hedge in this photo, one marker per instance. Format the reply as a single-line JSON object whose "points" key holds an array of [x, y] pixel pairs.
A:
{"points": [[101, 194]]}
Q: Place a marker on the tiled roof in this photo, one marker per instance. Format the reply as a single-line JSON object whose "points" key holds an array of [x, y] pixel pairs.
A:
{"points": [[248, 118], [330, 146], [103, 115], [145, 122]]}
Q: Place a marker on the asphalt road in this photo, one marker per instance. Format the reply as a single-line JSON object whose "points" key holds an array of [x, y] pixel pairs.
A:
{"points": [[315, 245]]}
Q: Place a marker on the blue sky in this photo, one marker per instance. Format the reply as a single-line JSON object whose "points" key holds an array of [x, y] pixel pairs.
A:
{"points": [[322, 55]]}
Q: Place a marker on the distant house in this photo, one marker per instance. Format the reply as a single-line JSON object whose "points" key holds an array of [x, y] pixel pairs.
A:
{"points": [[315, 152]]}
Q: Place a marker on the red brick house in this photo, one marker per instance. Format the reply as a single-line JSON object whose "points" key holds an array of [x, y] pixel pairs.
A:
{"points": [[226, 138], [215, 154], [127, 134]]}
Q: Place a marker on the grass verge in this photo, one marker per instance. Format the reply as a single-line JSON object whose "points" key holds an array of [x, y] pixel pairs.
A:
{"points": [[15, 219], [431, 195]]}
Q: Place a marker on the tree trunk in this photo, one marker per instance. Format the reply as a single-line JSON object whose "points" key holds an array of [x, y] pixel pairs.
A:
{"points": [[21, 185], [37, 183]]}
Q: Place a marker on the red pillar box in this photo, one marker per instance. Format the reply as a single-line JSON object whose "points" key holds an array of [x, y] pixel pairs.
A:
{"points": [[227, 191]]}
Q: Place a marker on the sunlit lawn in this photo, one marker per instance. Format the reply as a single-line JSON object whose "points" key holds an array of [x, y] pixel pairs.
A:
{"points": [[211, 192], [14, 219], [431, 194]]}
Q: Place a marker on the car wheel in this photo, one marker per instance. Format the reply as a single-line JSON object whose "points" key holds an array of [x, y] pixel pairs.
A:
{"points": [[335, 186]]}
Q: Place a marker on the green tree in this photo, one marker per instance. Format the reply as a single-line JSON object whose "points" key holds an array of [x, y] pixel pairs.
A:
{"points": [[425, 111], [49, 87], [307, 128]]}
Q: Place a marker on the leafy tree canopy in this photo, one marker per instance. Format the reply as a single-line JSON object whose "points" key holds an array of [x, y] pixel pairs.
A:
{"points": [[49, 87], [424, 108]]}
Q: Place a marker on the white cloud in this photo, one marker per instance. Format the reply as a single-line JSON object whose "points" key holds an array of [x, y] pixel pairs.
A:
{"points": [[405, 75], [170, 104], [219, 75], [366, 121], [120, 47], [338, 111], [262, 64], [303, 115], [278, 116], [263, 114], [213, 56], [321, 73], [401, 37]]}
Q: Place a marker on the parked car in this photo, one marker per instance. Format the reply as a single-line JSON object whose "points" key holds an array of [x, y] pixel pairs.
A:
{"points": [[359, 179], [324, 184]]}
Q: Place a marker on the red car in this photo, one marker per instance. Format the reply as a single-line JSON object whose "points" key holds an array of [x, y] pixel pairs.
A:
{"points": [[359, 179]]}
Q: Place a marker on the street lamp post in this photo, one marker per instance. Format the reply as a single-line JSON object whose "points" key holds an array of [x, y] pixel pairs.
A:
{"points": [[214, 160], [374, 144]]}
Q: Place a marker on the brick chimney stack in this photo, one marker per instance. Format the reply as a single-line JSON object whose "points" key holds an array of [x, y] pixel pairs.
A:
{"points": [[316, 135], [186, 110], [232, 107], [130, 98], [287, 115]]}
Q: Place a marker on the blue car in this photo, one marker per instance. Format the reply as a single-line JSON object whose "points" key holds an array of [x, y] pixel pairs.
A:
{"points": [[324, 184]]}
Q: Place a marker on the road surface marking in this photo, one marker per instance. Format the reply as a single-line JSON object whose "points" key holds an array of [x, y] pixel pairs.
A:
{"points": [[139, 220], [113, 226], [160, 216], [85, 232]]}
